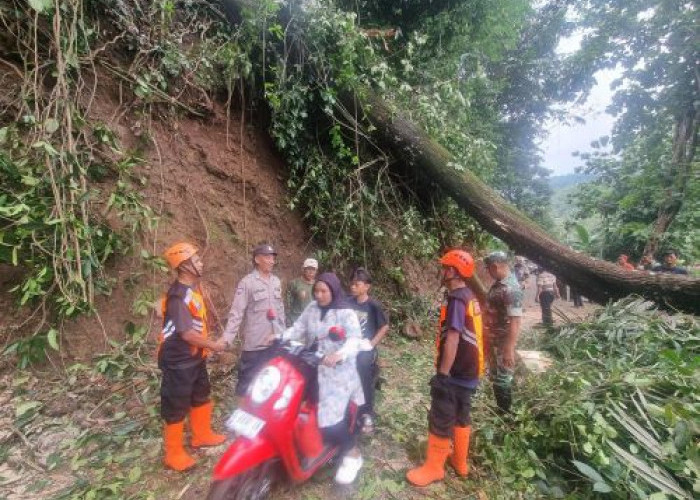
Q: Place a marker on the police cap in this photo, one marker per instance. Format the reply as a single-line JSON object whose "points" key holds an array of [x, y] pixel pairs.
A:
{"points": [[264, 249]]}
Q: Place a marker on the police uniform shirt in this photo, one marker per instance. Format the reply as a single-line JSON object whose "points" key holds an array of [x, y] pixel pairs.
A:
{"points": [[255, 298], [672, 270]]}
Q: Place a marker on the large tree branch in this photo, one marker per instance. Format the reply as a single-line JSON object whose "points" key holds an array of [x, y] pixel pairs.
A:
{"points": [[430, 162], [598, 280]]}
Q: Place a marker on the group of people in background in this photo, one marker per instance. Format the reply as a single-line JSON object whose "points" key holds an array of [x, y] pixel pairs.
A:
{"points": [[316, 305], [668, 264]]}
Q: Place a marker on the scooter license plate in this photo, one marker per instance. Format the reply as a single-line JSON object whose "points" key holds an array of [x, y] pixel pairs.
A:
{"points": [[244, 424]]}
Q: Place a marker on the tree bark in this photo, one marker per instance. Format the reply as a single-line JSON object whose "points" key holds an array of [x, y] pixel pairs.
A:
{"points": [[430, 162], [685, 137], [599, 280]]}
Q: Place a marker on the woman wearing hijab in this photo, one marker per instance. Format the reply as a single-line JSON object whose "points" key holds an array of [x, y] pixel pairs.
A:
{"points": [[338, 379]]}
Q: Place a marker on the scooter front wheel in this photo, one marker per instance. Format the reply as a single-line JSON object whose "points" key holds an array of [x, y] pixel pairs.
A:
{"points": [[253, 484]]}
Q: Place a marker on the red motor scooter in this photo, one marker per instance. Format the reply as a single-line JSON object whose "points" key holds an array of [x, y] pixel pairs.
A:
{"points": [[276, 429]]}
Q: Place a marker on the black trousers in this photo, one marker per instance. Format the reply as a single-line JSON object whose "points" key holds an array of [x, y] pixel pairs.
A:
{"points": [[368, 370], [450, 406], [248, 365], [340, 435], [546, 299], [182, 389]]}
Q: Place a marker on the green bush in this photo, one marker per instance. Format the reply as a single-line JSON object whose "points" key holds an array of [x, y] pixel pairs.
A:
{"points": [[617, 413]]}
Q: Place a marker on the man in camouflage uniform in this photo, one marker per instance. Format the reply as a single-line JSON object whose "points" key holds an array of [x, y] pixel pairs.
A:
{"points": [[504, 311], [258, 311], [300, 291]]}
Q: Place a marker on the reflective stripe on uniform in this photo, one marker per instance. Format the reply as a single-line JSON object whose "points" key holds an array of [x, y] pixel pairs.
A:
{"points": [[475, 338], [195, 304], [474, 310], [168, 329]]}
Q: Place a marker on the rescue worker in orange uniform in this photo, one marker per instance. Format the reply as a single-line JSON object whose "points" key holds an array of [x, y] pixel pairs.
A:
{"points": [[182, 353], [460, 367]]}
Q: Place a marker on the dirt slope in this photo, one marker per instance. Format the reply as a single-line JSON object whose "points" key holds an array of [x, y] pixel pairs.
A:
{"points": [[224, 191]]}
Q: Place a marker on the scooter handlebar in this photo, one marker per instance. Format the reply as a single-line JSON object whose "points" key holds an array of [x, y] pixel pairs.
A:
{"points": [[337, 333]]}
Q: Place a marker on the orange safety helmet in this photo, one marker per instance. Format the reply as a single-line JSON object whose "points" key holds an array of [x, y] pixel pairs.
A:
{"points": [[460, 260], [179, 253]]}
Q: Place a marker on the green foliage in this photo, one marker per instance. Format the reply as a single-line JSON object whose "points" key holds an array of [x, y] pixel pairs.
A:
{"points": [[32, 349], [628, 193], [339, 180], [648, 178], [177, 48], [55, 226], [472, 73], [69, 195], [617, 412], [47, 220], [338, 175]]}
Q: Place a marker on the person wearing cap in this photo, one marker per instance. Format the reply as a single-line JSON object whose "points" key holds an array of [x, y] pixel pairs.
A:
{"points": [[300, 290], [504, 312], [182, 351], [459, 366], [258, 312]]}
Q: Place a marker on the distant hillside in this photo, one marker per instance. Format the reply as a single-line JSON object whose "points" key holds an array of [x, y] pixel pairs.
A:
{"points": [[563, 186], [561, 181]]}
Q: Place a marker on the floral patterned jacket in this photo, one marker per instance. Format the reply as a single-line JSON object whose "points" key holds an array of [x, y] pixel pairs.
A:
{"points": [[341, 384]]}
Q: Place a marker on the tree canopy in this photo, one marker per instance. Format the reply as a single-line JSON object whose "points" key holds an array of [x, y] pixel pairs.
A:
{"points": [[647, 186]]}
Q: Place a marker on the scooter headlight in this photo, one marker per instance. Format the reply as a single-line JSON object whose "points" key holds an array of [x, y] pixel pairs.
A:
{"points": [[265, 384]]}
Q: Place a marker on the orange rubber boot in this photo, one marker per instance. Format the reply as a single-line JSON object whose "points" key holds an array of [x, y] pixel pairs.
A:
{"points": [[200, 423], [434, 467], [459, 458], [176, 457]]}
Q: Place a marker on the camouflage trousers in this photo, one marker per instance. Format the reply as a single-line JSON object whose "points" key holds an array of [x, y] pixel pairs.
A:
{"points": [[501, 375]]}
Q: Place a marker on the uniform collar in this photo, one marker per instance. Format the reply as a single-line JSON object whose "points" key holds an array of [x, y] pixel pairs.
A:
{"points": [[257, 275]]}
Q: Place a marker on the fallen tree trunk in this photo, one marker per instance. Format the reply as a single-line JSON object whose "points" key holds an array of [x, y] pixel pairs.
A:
{"points": [[430, 162], [599, 280]]}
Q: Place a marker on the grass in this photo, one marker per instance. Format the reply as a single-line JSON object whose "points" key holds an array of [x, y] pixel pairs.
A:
{"points": [[80, 433]]}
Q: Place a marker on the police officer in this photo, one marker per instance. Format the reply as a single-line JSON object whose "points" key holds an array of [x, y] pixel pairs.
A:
{"points": [[459, 366], [504, 312], [258, 311]]}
